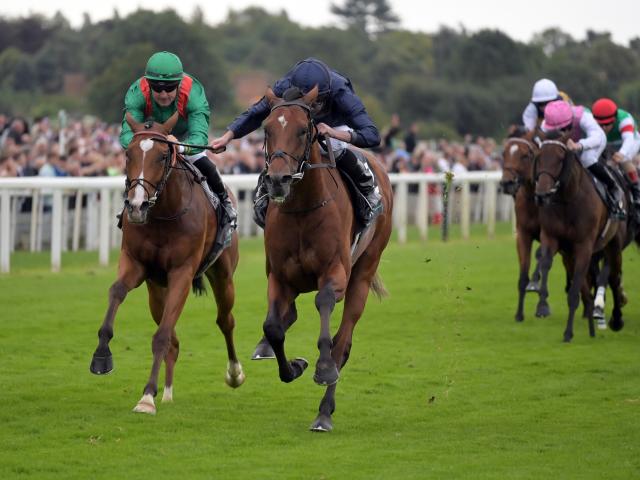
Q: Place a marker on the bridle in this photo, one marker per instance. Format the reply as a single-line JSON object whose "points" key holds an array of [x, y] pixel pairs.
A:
{"points": [[168, 160], [557, 180], [302, 162], [518, 181]]}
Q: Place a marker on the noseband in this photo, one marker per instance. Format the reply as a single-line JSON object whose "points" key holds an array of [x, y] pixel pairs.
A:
{"points": [[557, 181], [168, 161], [312, 135]]}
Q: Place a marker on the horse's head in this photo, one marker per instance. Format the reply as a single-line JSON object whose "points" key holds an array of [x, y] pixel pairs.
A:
{"points": [[289, 135], [551, 165], [518, 154], [149, 159]]}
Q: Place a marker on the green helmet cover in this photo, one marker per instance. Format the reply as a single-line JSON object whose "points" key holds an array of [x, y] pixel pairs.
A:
{"points": [[164, 66]]}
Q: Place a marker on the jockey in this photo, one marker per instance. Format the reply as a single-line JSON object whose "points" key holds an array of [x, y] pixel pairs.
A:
{"points": [[588, 141], [621, 129], [338, 113], [163, 90], [544, 91]]}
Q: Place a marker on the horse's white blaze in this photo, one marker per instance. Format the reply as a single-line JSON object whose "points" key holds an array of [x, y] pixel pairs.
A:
{"points": [[145, 146], [282, 120], [513, 149], [167, 395]]}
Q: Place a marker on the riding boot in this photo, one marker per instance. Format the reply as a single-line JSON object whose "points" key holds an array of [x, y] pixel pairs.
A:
{"points": [[634, 186], [261, 202], [230, 216], [369, 204], [615, 193]]}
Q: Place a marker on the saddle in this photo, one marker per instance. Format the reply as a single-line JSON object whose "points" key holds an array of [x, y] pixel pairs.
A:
{"points": [[606, 196], [220, 243]]}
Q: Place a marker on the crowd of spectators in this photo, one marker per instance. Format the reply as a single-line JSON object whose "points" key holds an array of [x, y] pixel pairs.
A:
{"points": [[89, 147]]}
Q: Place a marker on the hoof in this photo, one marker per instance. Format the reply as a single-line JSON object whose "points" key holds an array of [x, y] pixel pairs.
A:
{"points": [[263, 351], [296, 368], [543, 311], [101, 365], [519, 317], [567, 337], [326, 373], [234, 376], [322, 423], [533, 287], [616, 325], [145, 405]]}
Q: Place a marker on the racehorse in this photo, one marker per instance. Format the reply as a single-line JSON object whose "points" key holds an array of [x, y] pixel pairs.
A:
{"points": [[169, 228], [519, 152], [308, 238], [575, 221]]}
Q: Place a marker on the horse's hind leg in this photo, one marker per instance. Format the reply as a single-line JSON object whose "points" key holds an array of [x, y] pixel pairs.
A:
{"points": [[582, 257], [221, 279], [130, 275], [601, 287], [263, 350], [534, 283]]}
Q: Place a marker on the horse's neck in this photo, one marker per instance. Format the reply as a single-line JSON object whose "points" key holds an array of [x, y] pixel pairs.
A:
{"points": [[313, 188], [576, 182], [174, 195]]}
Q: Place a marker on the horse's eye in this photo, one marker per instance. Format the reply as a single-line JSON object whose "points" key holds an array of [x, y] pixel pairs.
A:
{"points": [[302, 132]]}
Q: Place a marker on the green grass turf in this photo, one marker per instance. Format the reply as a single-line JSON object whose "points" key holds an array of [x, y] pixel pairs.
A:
{"points": [[441, 383]]}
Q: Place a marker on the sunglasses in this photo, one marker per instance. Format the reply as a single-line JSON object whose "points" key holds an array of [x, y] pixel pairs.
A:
{"points": [[163, 87]]}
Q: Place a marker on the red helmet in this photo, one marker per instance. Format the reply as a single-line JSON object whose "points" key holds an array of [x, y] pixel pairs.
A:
{"points": [[604, 110]]}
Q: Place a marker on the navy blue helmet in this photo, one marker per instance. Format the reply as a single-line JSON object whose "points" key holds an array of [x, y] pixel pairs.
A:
{"points": [[311, 72]]}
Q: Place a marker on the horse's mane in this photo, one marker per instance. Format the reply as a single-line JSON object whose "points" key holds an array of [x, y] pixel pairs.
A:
{"points": [[517, 131]]}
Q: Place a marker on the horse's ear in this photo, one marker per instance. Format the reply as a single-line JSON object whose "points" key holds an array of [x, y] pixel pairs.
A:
{"points": [[169, 124], [271, 97], [310, 97], [135, 126]]}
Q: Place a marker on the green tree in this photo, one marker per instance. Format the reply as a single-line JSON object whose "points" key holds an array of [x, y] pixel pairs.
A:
{"points": [[370, 16]]}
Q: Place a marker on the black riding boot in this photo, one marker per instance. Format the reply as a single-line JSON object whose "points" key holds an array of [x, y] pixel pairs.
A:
{"points": [[210, 171], [370, 206], [261, 202], [635, 193], [616, 194]]}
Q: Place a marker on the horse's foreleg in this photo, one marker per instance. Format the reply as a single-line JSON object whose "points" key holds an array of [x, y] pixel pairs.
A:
{"points": [[534, 285], [355, 300], [524, 257], [130, 275], [179, 283], [547, 251], [157, 295], [582, 257], [221, 280], [279, 300], [601, 288], [263, 350], [326, 368]]}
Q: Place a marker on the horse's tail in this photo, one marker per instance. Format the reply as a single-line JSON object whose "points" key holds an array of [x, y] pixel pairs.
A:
{"points": [[378, 287], [198, 286]]}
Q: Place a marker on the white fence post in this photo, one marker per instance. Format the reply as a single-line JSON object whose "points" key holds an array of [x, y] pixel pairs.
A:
{"points": [[465, 210], [56, 231], [105, 210], [5, 227], [422, 210]]}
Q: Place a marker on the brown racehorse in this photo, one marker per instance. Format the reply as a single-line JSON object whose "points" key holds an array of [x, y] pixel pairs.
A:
{"points": [[576, 222], [170, 226], [309, 229], [517, 181]]}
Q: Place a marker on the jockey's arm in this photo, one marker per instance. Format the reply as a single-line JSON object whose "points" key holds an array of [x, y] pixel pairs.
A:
{"points": [[594, 135], [530, 117], [630, 139], [134, 104], [365, 134]]}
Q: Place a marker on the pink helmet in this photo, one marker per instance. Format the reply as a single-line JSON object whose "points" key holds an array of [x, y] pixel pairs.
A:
{"points": [[557, 115]]}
